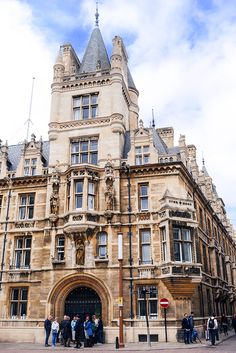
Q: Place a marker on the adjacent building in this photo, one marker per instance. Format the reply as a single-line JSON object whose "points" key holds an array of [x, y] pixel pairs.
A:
{"points": [[102, 173]]}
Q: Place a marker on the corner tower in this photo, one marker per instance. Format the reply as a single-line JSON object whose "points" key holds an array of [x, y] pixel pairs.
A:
{"points": [[94, 100]]}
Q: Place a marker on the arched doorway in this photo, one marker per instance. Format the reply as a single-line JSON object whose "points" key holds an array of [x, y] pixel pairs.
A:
{"points": [[83, 301]]}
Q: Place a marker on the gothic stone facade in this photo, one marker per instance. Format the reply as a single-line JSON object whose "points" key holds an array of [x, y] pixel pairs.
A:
{"points": [[102, 173]]}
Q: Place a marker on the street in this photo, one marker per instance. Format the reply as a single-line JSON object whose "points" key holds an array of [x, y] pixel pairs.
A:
{"points": [[226, 346]]}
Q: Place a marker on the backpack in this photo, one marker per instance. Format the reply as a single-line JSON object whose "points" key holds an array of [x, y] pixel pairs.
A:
{"points": [[211, 323]]}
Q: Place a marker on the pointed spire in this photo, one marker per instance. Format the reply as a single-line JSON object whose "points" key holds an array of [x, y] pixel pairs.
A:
{"points": [[204, 170], [153, 119], [96, 15], [96, 54], [59, 59]]}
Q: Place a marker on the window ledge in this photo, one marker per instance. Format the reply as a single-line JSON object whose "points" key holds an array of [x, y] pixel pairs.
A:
{"points": [[58, 262], [101, 259]]}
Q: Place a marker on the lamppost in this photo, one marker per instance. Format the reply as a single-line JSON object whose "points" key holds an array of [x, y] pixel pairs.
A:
{"points": [[126, 169], [145, 292], [120, 259]]}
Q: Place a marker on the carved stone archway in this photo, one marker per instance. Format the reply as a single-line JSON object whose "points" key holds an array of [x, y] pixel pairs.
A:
{"points": [[58, 294]]}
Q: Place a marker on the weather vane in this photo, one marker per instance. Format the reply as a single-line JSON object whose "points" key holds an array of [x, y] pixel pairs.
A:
{"points": [[96, 15]]}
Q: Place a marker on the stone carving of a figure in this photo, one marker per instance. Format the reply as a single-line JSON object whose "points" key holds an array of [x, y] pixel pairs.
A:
{"points": [[80, 252]]}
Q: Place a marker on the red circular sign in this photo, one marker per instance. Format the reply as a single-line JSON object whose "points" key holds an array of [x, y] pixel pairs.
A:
{"points": [[164, 303]]}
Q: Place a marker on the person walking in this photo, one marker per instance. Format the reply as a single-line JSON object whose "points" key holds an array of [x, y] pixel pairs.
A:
{"points": [[234, 322], [55, 330], [191, 325], [212, 327], [224, 324], [77, 329], [186, 328], [47, 327]]}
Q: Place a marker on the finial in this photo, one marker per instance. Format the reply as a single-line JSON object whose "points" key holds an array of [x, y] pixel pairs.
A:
{"points": [[203, 160], [153, 120], [96, 15], [140, 124]]}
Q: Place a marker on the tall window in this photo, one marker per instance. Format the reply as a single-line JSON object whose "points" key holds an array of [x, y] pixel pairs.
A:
{"points": [[30, 166], [91, 195], [182, 245], [18, 305], [145, 246], [84, 151], [143, 197], [141, 155], [102, 245], [85, 107], [26, 208], [60, 248], [23, 252], [164, 244], [205, 258], [78, 194], [151, 297]]}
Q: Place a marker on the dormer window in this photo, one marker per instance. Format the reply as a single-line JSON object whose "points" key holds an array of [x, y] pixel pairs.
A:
{"points": [[30, 166], [85, 107], [141, 155]]}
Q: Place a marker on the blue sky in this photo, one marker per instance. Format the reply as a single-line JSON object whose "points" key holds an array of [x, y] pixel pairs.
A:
{"points": [[182, 56]]}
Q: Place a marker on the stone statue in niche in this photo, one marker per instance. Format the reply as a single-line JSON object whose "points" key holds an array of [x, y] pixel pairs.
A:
{"points": [[109, 181], [54, 198], [80, 252]]}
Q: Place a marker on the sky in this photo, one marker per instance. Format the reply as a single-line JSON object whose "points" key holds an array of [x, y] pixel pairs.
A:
{"points": [[182, 56]]}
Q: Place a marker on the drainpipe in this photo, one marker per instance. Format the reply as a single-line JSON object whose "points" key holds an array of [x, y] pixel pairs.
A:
{"points": [[126, 169], [9, 182]]}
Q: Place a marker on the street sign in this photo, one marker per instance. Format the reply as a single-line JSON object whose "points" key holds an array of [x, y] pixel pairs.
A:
{"points": [[164, 303]]}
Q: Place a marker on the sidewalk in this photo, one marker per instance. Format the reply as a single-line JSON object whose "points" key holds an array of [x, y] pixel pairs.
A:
{"points": [[111, 347]]}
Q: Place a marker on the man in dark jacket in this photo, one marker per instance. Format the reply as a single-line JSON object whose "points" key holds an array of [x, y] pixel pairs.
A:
{"points": [[78, 332], [47, 327], [191, 324], [186, 328]]}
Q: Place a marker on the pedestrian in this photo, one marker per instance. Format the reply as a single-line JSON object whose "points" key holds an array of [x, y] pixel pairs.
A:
{"points": [[55, 330], [186, 328], [88, 332], [77, 329], [67, 332], [62, 327], [73, 322], [94, 328], [99, 332], [212, 326], [47, 327], [224, 324], [234, 322], [191, 324]]}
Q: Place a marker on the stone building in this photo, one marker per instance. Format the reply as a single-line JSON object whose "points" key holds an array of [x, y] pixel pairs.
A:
{"points": [[63, 203]]}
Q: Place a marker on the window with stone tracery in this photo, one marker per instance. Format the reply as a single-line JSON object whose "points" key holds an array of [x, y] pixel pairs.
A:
{"points": [[85, 106], [84, 151], [26, 207], [30, 166], [141, 155]]}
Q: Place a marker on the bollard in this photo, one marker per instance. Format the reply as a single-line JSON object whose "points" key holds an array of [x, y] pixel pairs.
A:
{"points": [[117, 343]]}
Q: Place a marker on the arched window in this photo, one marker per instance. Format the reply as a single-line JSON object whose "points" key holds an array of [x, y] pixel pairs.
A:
{"points": [[102, 245]]}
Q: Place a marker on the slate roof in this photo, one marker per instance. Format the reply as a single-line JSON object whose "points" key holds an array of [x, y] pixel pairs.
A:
{"points": [[159, 144], [14, 155], [130, 80], [95, 52]]}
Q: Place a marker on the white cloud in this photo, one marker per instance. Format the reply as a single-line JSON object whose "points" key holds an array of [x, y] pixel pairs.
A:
{"points": [[24, 54]]}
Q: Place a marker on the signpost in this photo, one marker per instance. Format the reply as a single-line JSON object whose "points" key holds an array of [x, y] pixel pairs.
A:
{"points": [[164, 303]]}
